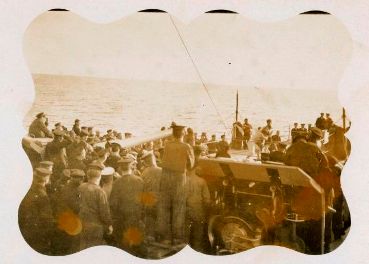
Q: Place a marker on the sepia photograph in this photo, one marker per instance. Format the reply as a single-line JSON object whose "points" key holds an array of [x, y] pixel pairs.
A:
{"points": [[148, 134]]}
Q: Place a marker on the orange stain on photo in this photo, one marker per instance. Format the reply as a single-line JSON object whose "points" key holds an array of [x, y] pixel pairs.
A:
{"points": [[133, 236], [148, 199], [69, 222]]}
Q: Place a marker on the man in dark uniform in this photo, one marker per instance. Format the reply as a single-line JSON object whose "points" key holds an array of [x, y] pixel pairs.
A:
{"points": [[306, 156], [76, 127], [302, 128], [106, 183], [276, 137], [329, 121], [315, 135], [223, 148], [247, 131], [38, 128], [177, 158], [294, 130], [126, 208], [67, 209], [55, 152], [94, 211], [77, 153], [321, 122], [114, 156], [151, 177], [198, 201], [267, 130], [310, 159], [35, 217]]}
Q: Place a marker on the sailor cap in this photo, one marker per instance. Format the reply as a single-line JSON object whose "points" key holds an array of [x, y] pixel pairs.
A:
{"points": [[107, 171]]}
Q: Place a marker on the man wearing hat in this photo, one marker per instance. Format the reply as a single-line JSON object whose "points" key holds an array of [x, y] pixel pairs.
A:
{"points": [[223, 148], [55, 152], [198, 200], [38, 128], [106, 183], [114, 156], [59, 126], [321, 122], [67, 209], [151, 177], [177, 158], [294, 130], [46, 164], [247, 131], [267, 130], [303, 128], [101, 154], [126, 206], [35, 217], [127, 135], [94, 211], [69, 193], [76, 127], [328, 121], [96, 165], [306, 156], [315, 135]]}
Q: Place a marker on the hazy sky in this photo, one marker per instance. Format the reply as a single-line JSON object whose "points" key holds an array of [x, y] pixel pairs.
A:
{"points": [[302, 52]]}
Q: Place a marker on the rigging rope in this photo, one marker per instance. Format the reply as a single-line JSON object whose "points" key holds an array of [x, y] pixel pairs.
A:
{"points": [[198, 73]]}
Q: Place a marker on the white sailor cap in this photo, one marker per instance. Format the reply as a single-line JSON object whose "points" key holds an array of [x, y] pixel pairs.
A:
{"points": [[107, 171]]}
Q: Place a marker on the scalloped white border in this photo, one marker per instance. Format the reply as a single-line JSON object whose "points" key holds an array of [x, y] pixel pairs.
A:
{"points": [[17, 94]]}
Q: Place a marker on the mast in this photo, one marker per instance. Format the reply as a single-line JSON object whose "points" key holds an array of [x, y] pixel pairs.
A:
{"points": [[237, 107]]}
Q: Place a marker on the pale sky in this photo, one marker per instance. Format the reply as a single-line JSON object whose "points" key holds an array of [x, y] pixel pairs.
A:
{"points": [[307, 51]]}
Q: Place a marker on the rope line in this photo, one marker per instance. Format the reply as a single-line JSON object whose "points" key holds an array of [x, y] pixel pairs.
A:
{"points": [[198, 73]]}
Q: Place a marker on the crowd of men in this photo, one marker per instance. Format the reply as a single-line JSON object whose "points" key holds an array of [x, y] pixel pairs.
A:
{"points": [[85, 195]]}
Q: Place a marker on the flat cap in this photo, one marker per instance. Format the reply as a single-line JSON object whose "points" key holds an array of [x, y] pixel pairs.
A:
{"points": [[96, 165], [126, 160], [83, 133], [93, 173], [43, 172], [59, 132], [46, 163], [317, 131], [100, 151], [66, 173], [75, 173], [40, 115]]}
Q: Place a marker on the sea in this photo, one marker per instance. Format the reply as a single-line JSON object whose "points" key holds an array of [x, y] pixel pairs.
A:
{"points": [[142, 107]]}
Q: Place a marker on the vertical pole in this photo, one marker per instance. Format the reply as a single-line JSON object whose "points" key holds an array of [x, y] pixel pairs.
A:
{"points": [[237, 106], [344, 118], [322, 243]]}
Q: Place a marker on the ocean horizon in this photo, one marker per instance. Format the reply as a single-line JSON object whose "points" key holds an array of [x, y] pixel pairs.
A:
{"points": [[143, 107]]}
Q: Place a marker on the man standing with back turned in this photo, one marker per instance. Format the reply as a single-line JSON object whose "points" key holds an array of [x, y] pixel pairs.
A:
{"points": [[177, 158]]}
